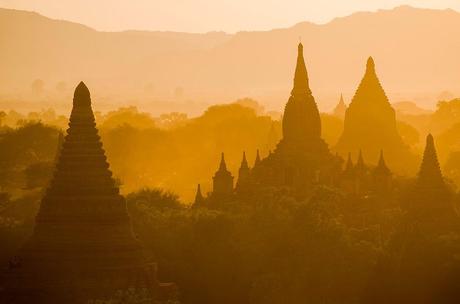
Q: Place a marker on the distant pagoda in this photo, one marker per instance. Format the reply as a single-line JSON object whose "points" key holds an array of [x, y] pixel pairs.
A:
{"points": [[382, 176], [243, 184], [199, 199], [431, 196], [370, 123], [83, 245], [341, 108], [222, 181]]}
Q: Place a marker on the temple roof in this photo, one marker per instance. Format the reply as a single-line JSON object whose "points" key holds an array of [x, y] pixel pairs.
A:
{"points": [[382, 166], [222, 165], [199, 196], [244, 162], [257, 161]]}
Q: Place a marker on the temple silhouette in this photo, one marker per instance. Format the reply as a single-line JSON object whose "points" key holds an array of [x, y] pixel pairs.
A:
{"points": [[302, 159], [340, 109], [370, 123], [83, 246], [415, 261]]}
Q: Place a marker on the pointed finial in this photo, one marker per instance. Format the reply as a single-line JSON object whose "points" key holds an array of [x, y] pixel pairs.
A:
{"points": [[199, 196], [81, 96], [257, 158], [430, 140], [244, 162], [301, 85], [382, 166], [360, 161], [370, 66], [223, 165]]}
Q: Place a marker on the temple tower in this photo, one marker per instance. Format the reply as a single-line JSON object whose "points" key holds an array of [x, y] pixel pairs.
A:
{"points": [[243, 183], [301, 158], [370, 124], [431, 197], [222, 180], [83, 245]]}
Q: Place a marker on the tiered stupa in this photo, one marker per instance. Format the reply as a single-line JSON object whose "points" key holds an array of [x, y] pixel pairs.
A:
{"points": [[83, 245], [301, 157], [431, 197], [370, 124]]}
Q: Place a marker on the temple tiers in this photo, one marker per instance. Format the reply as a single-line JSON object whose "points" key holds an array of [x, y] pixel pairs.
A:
{"points": [[83, 245], [370, 124]]}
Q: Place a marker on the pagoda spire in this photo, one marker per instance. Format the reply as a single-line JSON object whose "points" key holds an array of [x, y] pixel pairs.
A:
{"points": [[244, 162], [223, 165], [301, 83], [382, 166], [360, 163], [222, 180], [257, 161], [199, 196], [341, 108], [243, 183], [301, 120], [430, 171]]}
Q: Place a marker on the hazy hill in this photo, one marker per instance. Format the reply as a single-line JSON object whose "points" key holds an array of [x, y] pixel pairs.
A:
{"points": [[416, 53]]}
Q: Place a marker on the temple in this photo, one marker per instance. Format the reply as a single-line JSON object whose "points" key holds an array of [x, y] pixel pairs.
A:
{"points": [[301, 159], [370, 124], [83, 246]]}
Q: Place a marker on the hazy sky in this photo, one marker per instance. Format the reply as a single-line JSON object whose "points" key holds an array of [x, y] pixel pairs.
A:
{"points": [[207, 15]]}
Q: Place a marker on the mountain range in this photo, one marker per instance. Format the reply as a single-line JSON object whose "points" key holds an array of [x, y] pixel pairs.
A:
{"points": [[416, 53]]}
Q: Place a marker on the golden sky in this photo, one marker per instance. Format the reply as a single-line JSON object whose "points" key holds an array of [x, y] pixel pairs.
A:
{"points": [[207, 15]]}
